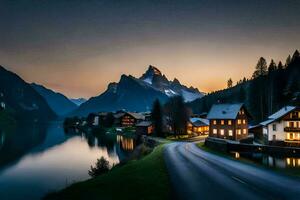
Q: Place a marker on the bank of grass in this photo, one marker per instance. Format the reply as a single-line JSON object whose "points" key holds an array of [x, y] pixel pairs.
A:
{"points": [[146, 178], [285, 171]]}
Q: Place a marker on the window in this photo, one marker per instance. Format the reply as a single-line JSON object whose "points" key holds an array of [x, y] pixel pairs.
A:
{"points": [[229, 122], [244, 131], [222, 132], [274, 127], [230, 133], [215, 131], [222, 122], [238, 131], [215, 122], [242, 111], [239, 121], [244, 121]]}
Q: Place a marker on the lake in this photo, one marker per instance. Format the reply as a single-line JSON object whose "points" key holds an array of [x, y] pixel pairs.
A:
{"points": [[40, 158]]}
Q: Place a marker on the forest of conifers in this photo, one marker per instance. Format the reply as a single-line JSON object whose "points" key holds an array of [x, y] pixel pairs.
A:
{"points": [[270, 88]]}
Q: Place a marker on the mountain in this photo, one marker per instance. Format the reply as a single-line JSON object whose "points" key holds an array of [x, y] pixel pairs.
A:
{"points": [[137, 94], [157, 80], [21, 99], [78, 101], [59, 103]]}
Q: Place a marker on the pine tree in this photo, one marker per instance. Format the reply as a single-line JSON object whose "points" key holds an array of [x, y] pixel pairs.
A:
{"points": [[272, 66], [261, 68], [288, 61], [280, 66], [229, 83], [157, 118]]}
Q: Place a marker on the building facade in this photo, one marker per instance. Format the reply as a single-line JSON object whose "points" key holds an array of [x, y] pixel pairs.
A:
{"points": [[198, 126], [283, 127], [228, 121]]}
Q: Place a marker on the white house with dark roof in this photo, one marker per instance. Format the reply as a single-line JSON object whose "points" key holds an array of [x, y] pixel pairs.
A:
{"points": [[228, 121], [283, 126]]}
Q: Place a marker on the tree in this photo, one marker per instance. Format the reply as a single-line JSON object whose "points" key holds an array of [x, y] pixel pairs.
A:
{"points": [[229, 83], [102, 166], [280, 66], [261, 68], [288, 61], [157, 118], [296, 55], [272, 66], [177, 115]]}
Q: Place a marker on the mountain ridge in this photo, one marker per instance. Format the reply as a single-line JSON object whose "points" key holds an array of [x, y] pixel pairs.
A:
{"points": [[137, 94]]}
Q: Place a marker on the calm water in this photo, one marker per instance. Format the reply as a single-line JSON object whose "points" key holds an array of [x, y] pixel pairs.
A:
{"points": [[37, 159], [287, 163]]}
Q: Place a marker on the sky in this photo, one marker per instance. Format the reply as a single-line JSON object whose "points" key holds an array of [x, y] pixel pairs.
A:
{"points": [[78, 47]]}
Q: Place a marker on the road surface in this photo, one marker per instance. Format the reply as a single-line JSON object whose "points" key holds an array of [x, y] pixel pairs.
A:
{"points": [[197, 174]]}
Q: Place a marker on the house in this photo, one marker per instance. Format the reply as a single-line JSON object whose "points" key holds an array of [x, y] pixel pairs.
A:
{"points": [[144, 128], [198, 126], [283, 127], [127, 119], [228, 121]]}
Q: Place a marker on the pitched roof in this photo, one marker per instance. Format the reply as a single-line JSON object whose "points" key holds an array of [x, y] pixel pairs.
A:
{"points": [[118, 115], [137, 115], [224, 111], [277, 115], [196, 121], [144, 123]]}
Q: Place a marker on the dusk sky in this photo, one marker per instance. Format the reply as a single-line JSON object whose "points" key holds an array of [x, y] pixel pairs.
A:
{"points": [[78, 47]]}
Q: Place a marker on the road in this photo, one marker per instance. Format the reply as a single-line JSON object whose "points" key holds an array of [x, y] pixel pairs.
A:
{"points": [[197, 174]]}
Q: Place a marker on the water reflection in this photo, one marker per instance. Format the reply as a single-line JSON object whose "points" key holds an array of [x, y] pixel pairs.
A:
{"points": [[270, 161], [44, 158], [126, 143]]}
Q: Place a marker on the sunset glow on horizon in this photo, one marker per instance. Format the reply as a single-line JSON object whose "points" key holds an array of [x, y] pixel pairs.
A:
{"points": [[78, 48]]}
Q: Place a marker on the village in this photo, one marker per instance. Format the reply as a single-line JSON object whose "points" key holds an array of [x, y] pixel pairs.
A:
{"points": [[226, 123]]}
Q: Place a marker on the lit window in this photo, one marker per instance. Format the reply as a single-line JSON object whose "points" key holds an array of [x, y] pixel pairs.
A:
{"points": [[244, 131], [215, 131], [244, 121], [239, 121], [230, 133], [222, 122], [222, 132], [229, 122], [215, 122], [238, 131]]}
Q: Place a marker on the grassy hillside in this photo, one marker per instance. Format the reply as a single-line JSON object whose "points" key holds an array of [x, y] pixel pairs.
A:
{"points": [[140, 179]]}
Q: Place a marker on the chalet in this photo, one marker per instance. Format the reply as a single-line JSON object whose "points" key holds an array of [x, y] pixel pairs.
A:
{"points": [[127, 119], [144, 128], [283, 127], [228, 121], [198, 126]]}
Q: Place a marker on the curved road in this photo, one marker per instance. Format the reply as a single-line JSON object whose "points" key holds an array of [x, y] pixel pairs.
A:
{"points": [[197, 174]]}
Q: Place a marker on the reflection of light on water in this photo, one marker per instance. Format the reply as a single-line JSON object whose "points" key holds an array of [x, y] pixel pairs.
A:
{"points": [[127, 144], [293, 162], [237, 155]]}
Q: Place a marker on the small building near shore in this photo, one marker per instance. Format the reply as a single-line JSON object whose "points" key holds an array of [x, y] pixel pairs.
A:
{"points": [[144, 128], [283, 127], [128, 119], [198, 126], [228, 121]]}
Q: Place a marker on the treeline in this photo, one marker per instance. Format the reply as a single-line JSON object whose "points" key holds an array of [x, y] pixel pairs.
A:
{"points": [[270, 88]]}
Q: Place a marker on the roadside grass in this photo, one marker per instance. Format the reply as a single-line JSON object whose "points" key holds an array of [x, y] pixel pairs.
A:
{"points": [[284, 171], [146, 178]]}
